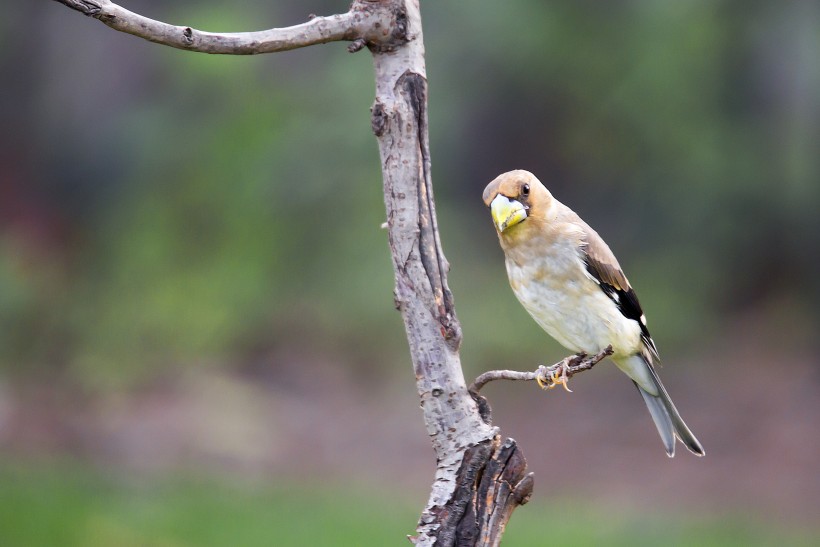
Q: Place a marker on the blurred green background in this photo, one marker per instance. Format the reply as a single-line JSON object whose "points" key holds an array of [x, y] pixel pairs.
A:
{"points": [[198, 344]]}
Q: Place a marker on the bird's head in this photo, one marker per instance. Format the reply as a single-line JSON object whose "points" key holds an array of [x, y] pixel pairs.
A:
{"points": [[515, 196]]}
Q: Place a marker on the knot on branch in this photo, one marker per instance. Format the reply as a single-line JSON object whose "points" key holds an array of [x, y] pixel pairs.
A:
{"points": [[400, 27], [450, 327], [378, 118], [86, 7], [356, 45], [484, 409], [390, 31]]}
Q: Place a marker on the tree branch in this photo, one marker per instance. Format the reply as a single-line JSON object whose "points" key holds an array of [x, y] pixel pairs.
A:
{"points": [[550, 377], [361, 24]]}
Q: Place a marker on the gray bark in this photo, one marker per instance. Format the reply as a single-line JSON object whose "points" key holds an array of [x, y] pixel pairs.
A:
{"points": [[479, 479]]}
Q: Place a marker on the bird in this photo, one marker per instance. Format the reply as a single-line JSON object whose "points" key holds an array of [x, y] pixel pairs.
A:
{"points": [[570, 282]]}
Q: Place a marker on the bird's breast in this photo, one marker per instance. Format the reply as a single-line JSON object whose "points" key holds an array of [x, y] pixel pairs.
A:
{"points": [[552, 284]]}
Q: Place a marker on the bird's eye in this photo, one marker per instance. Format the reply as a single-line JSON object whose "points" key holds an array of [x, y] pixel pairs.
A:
{"points": [[525, 190]]}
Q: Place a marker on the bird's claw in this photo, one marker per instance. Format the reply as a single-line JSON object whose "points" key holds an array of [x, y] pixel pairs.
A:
{"points": [[549, 377], [542, 377]]}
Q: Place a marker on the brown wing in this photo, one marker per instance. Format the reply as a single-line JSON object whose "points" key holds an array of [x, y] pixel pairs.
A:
{"points": [[604, 268]]}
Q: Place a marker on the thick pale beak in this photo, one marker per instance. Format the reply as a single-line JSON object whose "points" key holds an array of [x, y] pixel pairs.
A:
{"points": [[506, 212]]}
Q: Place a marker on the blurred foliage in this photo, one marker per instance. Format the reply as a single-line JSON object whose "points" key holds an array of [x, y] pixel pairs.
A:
{"points": [[72, 507], [163, 209]]}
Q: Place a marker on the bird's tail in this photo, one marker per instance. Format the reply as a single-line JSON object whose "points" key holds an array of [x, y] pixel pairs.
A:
{"points": [[666, 417]]}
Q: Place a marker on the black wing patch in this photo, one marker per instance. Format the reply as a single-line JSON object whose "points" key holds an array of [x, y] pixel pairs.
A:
{"points": [[628, 305]]}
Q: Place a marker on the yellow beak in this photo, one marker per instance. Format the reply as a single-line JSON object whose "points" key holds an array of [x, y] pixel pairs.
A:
{"points": [[506, 212]]}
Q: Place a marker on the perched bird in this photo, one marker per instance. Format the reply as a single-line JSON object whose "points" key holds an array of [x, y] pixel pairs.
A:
{"points": [[572, 285]]}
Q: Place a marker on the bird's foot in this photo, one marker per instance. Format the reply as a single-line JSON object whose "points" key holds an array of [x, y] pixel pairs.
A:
{"points": [[556, 375]]}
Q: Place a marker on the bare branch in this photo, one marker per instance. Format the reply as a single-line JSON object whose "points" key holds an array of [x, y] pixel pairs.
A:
{"points": [[360, 24], [562, 370]]}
